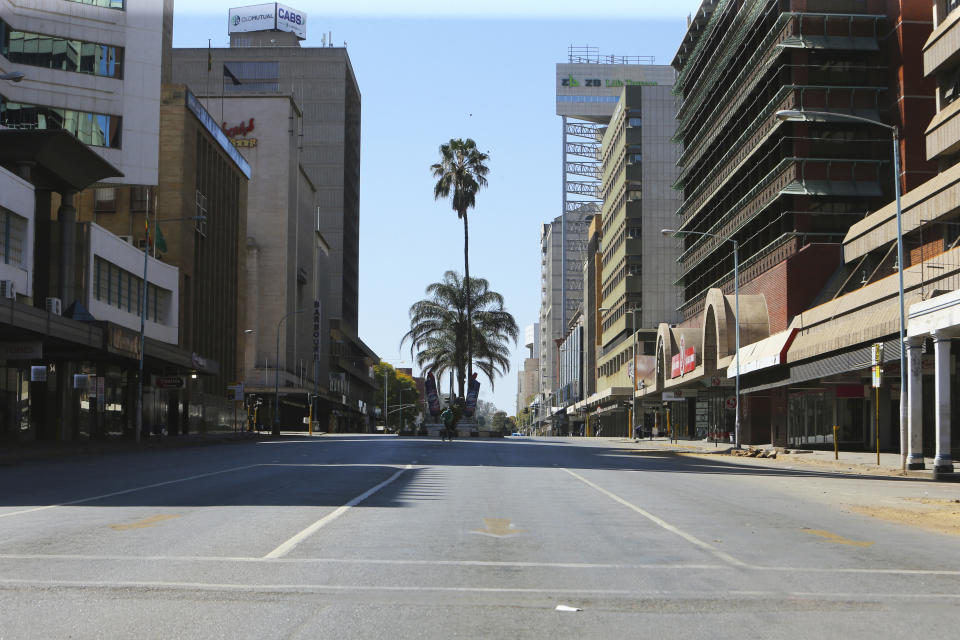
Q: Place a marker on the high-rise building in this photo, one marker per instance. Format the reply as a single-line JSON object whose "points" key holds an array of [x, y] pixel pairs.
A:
{"points": [[638, 268], [588, 88]]}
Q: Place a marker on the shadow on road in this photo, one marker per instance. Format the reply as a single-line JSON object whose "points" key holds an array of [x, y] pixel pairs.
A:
{"points": [[328, 471]]}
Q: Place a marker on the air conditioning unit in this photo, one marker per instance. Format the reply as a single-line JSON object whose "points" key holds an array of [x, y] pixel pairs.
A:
{"points": [[127, 239], [54, 306], [8, 289]]}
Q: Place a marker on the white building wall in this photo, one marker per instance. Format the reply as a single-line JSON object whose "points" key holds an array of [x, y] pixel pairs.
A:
{"points": [[16, 196], [124, 255]]}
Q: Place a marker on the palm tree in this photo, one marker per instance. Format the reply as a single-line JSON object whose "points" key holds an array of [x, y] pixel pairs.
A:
{"points": [[440, 329], [462, 169]]}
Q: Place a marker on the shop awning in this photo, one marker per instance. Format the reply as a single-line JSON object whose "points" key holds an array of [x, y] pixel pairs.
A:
{"points": [[762, 354], [610, 394]]}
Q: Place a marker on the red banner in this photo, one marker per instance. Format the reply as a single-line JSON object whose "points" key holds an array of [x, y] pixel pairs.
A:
{"points": [[676, 366]]}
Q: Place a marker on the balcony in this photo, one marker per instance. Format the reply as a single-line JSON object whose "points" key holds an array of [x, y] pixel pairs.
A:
{"points": [[942, 48]]}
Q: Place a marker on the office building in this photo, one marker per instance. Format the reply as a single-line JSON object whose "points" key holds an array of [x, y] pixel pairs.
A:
{"points": [[304, 222]]}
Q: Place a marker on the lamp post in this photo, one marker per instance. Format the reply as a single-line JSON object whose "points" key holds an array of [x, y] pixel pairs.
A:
{"points": [[276, 378], [633, 329], [143, 307], [736, 302], [806, 116], [385, 406]]}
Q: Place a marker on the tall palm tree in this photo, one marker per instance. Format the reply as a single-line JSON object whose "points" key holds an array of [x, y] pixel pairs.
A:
{"points": [[440, 328], [463, 171]]}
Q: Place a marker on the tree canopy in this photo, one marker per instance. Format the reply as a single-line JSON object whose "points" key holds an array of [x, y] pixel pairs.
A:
{"points": [[439, 327]]}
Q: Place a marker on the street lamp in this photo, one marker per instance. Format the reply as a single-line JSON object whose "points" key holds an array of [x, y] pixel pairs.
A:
{"points": [[806, 116], [385, 407], [276, 378], [143, 308], [13, 76], [736, 302]]}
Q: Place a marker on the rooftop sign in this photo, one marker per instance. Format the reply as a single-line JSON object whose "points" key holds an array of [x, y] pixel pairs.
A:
{"points": [[272, 16]]}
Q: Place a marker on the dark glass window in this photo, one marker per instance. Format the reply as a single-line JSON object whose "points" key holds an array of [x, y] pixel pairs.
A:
{"points": [[107, 4], [94, 129], [52, 52]]}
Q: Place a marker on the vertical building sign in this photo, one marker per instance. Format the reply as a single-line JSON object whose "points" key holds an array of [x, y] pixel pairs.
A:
{"points": [[316, 330]]}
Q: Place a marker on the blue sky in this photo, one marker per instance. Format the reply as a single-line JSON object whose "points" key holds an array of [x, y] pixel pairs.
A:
{"points": [[439, 70]]}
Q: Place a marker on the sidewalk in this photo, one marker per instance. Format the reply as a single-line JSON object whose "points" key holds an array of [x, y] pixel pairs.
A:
{"points": [[852, 462]]}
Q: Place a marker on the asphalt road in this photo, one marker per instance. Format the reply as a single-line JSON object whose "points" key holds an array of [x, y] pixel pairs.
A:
{"points": [[381, 537]]}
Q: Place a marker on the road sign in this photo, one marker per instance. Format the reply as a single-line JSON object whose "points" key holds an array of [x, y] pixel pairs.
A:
{"points": [[731, 403], [169, 382], [876, 354], [877, 375], [235, 392]]}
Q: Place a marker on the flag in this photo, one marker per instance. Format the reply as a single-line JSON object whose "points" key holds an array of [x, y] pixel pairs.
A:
{"points": [[228, 74], [161, 241]]}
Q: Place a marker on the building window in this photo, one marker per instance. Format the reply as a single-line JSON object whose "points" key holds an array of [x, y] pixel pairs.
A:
{"points": [[105, 200], [123, 289], [254, 77], [200, 224], [13, 235], [951, 5], [94, 129], [52, 52], [952, 87], [107, 4], [138, 198]]}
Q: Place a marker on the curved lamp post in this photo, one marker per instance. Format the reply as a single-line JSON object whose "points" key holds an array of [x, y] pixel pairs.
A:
{"points": [[827, 116], [736, 302], [276, 379]]}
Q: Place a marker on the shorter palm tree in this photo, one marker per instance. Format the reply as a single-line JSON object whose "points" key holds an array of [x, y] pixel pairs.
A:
{"points": [[439, 328]]}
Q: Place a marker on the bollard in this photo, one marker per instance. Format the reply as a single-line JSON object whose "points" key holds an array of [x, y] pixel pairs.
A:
{"points": [[836, 450]]}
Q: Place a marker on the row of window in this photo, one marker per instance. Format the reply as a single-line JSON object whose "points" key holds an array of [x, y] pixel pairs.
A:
{"points": [[588, 98], [13, 237], [52, 52], [94, 129], [105, 199], [107, 4], [119, 288]]}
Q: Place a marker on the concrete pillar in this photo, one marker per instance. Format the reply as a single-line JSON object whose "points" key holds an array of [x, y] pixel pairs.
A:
{"points": [[942, 463], [67, 218], [914, 405]]}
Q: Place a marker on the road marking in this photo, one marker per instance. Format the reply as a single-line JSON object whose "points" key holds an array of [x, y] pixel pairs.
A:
{"points": [[726, 557], [837, 539], [143, 523], [126, 491], [473, 563], [290, 544], [544, 591], [498, 528], [363, 561]]}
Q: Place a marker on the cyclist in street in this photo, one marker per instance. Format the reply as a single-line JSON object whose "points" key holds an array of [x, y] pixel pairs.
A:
{"points": [[447, 418]]}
